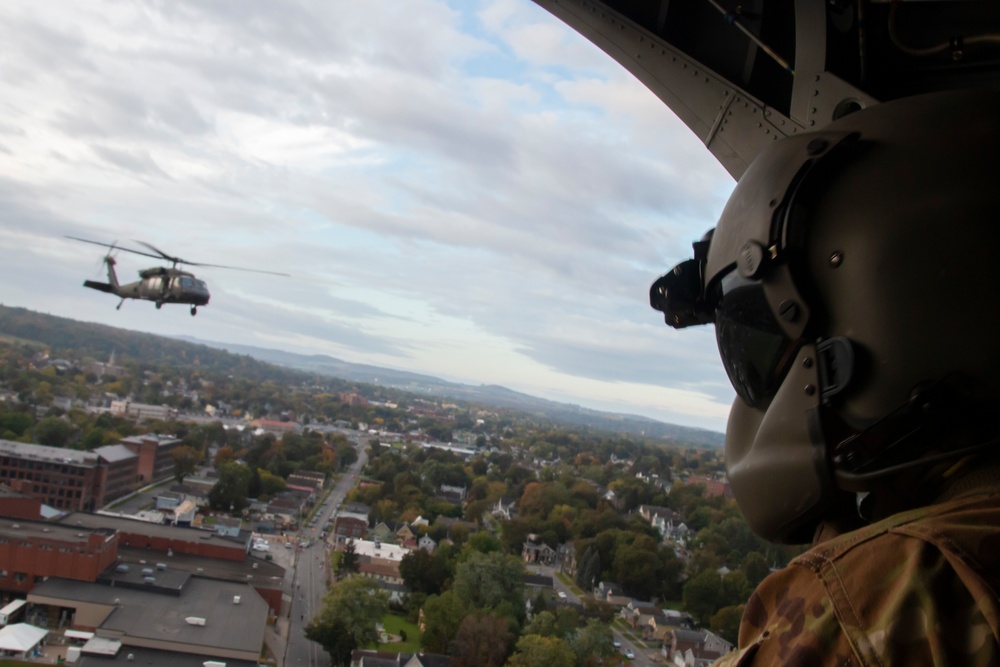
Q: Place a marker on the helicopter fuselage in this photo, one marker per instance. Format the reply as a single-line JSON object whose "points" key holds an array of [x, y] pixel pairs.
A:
{"points": [[158, 284]]}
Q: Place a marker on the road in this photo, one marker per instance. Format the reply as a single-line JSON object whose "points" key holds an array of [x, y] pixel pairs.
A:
{"points": [[309, 581], [643, 655]]}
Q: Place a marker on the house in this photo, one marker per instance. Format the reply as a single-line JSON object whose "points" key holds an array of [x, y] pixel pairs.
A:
{"points": [[504, 508], [406, 536], [453, 494], [612, 594], [638, 614], [538, 553], [427, 544], [694, 646]]}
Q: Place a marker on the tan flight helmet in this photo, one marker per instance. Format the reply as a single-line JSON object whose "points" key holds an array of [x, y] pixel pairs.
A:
{"points": [[853, 281]]}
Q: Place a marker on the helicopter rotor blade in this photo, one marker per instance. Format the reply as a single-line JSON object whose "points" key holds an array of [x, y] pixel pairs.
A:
{"points": [[114, 246], [175, 260], [240, 268], [178, 260]]}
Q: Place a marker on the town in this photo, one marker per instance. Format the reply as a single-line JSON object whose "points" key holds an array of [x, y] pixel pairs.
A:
{"points": [[218, 510]]}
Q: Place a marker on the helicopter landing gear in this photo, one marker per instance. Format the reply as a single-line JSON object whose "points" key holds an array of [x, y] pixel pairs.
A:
{"points": [[194, 310], [119, 306], [159, 304]]}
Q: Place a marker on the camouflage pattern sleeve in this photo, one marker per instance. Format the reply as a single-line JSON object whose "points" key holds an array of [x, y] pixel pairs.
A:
{"points": [[919, 588]]}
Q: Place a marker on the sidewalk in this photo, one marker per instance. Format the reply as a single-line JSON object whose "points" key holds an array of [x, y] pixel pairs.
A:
{"points": [[276, 638]]}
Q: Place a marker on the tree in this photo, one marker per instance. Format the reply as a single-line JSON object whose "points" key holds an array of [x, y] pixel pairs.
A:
{"points": [[351, 610], [349, 559], [482, 641], [53, 431], [535, 651], [726, 622], [491, 582], [592, 644], [186, 460], [443, 615], [424, 572], [230, 492]]}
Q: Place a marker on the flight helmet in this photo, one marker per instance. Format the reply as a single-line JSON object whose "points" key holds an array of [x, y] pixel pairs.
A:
{"points": [[853, 282]]}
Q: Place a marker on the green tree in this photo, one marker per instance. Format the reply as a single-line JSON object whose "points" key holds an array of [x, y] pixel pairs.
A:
{"points": [[726, 622], [230, 492], [593, 644], [53, 431], [491, 582], [443, 615], [535, 651], [186, 460], [351, 610], [349, 559]]}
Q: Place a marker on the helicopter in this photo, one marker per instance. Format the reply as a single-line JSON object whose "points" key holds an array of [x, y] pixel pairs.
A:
{"points": [[159, 284]]}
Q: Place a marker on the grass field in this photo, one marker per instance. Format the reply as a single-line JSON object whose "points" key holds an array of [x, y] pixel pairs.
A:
{"points": [[393, 623]]}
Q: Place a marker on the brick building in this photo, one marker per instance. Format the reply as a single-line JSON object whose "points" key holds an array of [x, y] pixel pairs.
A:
{"points": [[31, 551], [63, 478], [153, 450], [121, 471]]}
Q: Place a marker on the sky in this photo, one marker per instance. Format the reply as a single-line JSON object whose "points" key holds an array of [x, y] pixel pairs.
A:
{"points": [[466, 189]]}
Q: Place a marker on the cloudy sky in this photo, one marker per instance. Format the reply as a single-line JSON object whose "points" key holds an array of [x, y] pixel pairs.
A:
{"points": [[467, 189]]}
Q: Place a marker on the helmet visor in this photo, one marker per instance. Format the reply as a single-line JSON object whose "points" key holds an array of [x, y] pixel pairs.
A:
{"points": [[755, 349]]}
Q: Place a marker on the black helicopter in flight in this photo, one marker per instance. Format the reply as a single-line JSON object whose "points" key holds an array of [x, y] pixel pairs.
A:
{"points": [[159, 284]]}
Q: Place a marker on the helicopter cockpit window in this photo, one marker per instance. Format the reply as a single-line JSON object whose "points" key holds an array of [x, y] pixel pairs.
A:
{"points": [[186, 282]]}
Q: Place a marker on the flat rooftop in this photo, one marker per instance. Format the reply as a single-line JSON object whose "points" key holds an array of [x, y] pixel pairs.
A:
{"points": [[126, 525], [11, 528], [146, 615], [23, 450], [259, 572]]}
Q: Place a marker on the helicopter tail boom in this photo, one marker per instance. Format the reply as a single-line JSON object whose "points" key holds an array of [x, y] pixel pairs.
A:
{"points": [[100, 287]]}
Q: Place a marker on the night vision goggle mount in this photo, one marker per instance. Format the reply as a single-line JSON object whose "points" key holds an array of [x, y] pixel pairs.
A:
{"points": [[680, 294]]}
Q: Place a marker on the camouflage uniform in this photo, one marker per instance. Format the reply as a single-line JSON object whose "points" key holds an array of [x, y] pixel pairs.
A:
{"points": [[918, 588]]}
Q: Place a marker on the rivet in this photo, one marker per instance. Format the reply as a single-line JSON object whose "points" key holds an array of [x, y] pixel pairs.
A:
{"points": [[810, 390], [836, 259], [807, 362]]}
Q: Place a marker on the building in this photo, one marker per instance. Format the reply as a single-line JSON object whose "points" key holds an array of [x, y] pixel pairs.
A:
{"points": [[32, 551], [142, 410], [63, 478], [164, 610], [350, 526], [121, 471], [167, 540], [154, 452]]}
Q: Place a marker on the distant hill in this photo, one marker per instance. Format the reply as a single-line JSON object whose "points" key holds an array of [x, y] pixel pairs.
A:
{"points": [[99, 341], [322, 364]]}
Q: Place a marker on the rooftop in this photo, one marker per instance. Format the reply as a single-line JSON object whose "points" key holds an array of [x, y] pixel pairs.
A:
{"points": [[23, 450], [151, 616], [22, 529], [178, 533]]}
